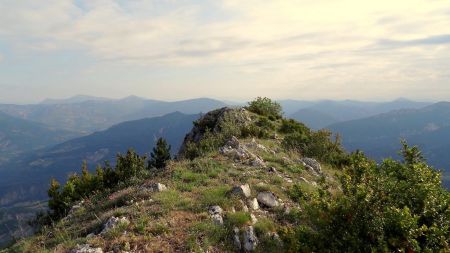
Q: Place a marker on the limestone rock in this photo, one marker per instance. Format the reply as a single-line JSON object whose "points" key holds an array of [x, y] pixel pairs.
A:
{"points": [[213, 121], [267, 199], [253, 218], [250, 239], [312, 165], [157, 187], [243, 190], [237, 239], [85, 248], [253, 204], [215, 212], [113, 222]]}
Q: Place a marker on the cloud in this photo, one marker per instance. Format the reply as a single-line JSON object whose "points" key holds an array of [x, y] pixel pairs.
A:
{"points": [[286, 42]]}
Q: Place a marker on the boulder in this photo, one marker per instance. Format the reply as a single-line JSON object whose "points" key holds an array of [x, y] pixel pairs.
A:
{"points": [[113, 222], [312, 165], [85, 248], [267, 199], [215, 212], [253, 218], [157, 187], [243, 190], [250, 239], [253, 204]]}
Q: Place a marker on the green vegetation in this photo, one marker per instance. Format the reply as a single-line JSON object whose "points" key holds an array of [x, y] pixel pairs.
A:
{"points": [[160, 155], [391, 207], [352, 205], [266, 107]]}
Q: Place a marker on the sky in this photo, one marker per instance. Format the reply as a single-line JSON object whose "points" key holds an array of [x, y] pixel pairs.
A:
{"points": [[225, 49]]}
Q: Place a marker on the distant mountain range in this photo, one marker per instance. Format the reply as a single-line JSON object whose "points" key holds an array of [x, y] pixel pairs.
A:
{"points": [[379, 136], [86, 114], [323, 113], [27, 178]]}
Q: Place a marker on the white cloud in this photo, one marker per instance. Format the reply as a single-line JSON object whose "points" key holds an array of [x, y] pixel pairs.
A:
{"points": [[301, 43]]}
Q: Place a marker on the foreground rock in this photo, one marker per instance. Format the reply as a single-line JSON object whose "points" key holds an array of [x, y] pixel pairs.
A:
{"points": [[312, 165], [84, 248], [243, 190], [250, 239], [267, 199], [215, 212], [113, 222]]}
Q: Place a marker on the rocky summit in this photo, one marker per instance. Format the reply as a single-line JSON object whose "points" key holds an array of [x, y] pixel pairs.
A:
{"points": [[246, 181]]}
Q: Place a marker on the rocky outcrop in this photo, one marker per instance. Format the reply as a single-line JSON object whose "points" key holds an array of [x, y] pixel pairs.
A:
{"points": [[212, 121], [267, 199], [239, 153], [85, 248], [215, 212], [113, 222], [253, 204]]}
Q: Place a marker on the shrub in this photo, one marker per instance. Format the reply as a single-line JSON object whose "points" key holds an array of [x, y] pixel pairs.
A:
{"points": [[390, 207], [265, 107], [160, 155], [238, 219], [289, 126]]}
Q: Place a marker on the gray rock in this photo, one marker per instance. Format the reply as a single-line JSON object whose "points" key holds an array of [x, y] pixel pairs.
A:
{"points": [[158, 187], [243, 190], [113, 222], [233, 142], [243, 206], [258, 162], [267, 199], [85, 248], [250, 239], [215, 212], [253, 218], [237, 240], [253, 204], [312, 165]]}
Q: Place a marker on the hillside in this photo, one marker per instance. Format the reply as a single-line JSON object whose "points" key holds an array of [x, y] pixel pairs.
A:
{"points": [[379, 136], [94, 115], [18, 136], [24, 181], [243, 182]]}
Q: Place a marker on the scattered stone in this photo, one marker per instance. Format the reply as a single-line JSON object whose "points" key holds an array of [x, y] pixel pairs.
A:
{"points": [[254, 219], [215, 212], [243, 206], [85, 248], [113, 222], [158, 187], [237, 240], [253, 204], [258, 162], [243, 190], [250, 239], [267, 199], [304, 180], [272, 170], [312, 165], [233, 142]]}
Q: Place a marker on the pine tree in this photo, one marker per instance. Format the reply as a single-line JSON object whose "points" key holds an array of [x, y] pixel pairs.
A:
{"points": [[160, 154]]}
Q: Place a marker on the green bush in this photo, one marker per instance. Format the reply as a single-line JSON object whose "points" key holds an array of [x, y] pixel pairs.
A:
{"points": [[289, 126], [238, 219], [266, 107], [390, 207]]}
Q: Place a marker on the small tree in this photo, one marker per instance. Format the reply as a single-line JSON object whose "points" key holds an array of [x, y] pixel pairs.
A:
{"points": [[160, 154], [266, 107]]}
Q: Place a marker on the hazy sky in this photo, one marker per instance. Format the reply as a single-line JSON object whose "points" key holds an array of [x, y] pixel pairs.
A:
{"points": [[229, 49]]}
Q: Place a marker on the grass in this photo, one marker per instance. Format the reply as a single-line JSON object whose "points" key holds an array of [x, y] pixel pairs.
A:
{"points": [[238, 219], [215, 196]]}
